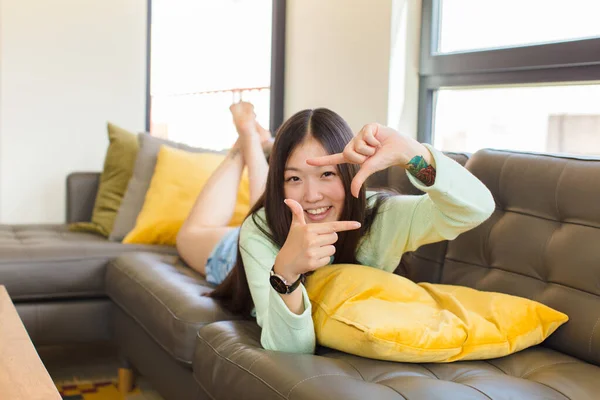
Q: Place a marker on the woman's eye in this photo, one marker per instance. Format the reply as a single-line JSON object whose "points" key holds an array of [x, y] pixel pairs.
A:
{"points": [[292, 179], [328, 173]]}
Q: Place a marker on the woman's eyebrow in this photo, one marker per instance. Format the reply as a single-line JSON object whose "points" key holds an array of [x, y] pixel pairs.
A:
{"points": [[295, 169]]}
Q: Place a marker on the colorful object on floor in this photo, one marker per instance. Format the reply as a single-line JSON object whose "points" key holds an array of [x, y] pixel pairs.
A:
{"points": [[85, 390]]}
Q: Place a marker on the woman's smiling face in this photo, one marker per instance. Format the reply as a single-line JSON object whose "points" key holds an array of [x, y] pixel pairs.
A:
{"points": [[319, 190]]}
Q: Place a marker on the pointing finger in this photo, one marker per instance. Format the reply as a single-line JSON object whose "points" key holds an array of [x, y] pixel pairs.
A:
{"points": [[332, 159], [336, 226]]}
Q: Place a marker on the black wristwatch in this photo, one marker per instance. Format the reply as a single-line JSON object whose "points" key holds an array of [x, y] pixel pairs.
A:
{"points": [[281, 285]]}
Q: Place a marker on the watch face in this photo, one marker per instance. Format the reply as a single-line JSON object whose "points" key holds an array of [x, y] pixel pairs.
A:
{"points": [[278, 284]]}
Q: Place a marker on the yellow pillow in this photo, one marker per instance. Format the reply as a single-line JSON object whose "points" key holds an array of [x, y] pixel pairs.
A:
{"points": [[178, 178], [375, 314]]}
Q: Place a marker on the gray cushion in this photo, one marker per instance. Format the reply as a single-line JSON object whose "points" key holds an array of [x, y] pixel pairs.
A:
{"points": [[165, 297], [143, 170], [50, 262]]}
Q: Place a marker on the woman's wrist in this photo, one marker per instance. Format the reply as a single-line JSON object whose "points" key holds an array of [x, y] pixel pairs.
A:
{"points": [[280, 270], [422, 166]]}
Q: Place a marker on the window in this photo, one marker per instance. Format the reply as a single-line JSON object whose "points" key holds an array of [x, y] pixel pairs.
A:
{"points": [[475, 25], [561, 118], [529, 79], [206, 54]]}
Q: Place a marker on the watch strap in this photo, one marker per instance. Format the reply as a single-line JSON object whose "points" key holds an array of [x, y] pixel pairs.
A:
{"points": [[280, 284], [295, 285]]}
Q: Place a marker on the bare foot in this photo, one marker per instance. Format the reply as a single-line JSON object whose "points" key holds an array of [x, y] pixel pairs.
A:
{"points": [[243, 117], [265, 135], [248, 127]]}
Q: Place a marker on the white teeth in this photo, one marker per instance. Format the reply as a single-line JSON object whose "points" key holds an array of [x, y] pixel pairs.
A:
{"points": [[316, 211]]}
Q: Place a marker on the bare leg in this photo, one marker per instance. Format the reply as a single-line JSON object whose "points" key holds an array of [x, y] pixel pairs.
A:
{"points": [[258, 168], [251, 138], [208, 219]]}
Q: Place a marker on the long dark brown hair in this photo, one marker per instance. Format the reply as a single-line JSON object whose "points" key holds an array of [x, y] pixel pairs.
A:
{"points": [[333, 133]]}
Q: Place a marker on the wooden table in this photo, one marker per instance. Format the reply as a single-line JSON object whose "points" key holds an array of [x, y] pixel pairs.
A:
{"points": [[22, 374]]}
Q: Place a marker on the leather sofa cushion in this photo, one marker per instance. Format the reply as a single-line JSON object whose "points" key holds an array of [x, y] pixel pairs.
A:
{"points": [[229, 363], [542, 242], [59, 322], [165, 297], [50, 262]]}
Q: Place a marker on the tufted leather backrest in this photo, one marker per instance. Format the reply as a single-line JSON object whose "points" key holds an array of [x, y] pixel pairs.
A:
{"points": [[542, 242]]}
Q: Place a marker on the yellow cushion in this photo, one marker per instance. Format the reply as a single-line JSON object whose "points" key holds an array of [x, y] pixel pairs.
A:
{"points": [[372, 313], [178, 178]]}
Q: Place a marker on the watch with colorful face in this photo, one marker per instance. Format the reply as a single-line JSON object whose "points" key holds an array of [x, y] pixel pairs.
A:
{"points": [[281, 285]]}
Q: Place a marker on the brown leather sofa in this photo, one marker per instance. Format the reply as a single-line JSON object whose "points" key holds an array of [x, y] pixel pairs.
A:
{"points": [[542, 242]]}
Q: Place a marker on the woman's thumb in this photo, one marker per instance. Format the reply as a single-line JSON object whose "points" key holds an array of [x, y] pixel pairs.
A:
{"points": [[367, 169], [297, 211]]}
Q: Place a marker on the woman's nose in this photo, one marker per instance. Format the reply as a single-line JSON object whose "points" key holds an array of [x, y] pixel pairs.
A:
{"points": [[312, 193]]}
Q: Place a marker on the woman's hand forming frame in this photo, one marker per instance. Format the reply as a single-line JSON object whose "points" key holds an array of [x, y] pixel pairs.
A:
{"points": [[377, 147], [308, 246]]}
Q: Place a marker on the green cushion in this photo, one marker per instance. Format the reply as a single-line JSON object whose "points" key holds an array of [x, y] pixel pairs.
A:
{"points": [[118, 168]]}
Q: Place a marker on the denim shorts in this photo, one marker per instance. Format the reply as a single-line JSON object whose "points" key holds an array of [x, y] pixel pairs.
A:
{"points": [[223, 257]]}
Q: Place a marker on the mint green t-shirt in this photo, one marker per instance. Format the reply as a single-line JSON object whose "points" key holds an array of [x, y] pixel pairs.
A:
{"points": [[457, 202]]}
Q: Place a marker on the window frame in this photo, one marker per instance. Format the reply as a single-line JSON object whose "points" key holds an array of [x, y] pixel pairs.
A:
{"points": [[277, 64], [560, 62]]}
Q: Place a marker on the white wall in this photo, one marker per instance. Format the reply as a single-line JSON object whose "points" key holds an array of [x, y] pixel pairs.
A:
{"points": [[66, 67], [345, 54], [337, 56]]}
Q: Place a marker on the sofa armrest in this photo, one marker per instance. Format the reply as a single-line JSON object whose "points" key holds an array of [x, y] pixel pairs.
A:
{"points": [[229, 363], [81, 195]]}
